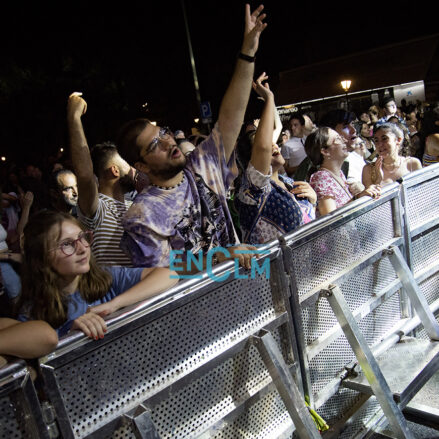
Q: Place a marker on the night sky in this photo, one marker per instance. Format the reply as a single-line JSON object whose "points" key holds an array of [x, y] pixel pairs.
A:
{"points": [[125, 55]]}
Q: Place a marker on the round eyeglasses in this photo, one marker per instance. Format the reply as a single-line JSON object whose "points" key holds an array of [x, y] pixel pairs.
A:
{"points": [[164, 134], [70, 246]]}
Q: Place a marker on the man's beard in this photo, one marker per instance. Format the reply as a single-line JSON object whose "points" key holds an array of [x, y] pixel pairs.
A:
{"points": [[126, 183], [70, 202], [170, 171]]}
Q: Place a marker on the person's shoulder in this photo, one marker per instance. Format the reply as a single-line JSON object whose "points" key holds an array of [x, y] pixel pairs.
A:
{"points": [[413, 163]]}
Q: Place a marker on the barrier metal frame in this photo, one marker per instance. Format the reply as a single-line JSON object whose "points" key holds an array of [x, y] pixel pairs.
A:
{"points": [[316, 229], [16, 385], [187, 292], [287, 321]]}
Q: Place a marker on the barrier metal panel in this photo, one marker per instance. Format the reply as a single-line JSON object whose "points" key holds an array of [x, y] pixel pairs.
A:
{"points": [[344, 248], [20, 411], [420, 200], [180, 363]]}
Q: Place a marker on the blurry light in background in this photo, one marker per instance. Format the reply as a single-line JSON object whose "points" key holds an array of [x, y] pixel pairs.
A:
{"points": [[196, 120], [3, 158], [154, 123], [346, 84], [61, 149]]}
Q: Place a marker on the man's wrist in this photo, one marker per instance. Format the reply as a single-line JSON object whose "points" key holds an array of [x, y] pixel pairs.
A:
{"points": [[245, 57]]}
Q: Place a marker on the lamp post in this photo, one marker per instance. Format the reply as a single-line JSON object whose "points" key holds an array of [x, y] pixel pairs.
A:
{"points": [[346, 85]]}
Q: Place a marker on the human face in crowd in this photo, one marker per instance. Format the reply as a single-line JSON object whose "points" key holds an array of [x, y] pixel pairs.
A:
{"points": [[70, 266], [159, 152], [366, 131], [69, 188], [387, 144], [277, 160], [337, 147], [365, 117], [347, 131], [390, 108], [296, 128]]}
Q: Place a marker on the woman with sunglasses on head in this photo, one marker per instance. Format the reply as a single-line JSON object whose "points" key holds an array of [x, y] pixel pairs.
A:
{"points": [[327, 150], [63, 285]]}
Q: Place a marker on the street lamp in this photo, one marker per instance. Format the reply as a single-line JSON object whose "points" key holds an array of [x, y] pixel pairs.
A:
{"points": [[346, 85]]}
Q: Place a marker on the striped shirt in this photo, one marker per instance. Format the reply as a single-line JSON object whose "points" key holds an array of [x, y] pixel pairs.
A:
{"points": [[428, 160], [107, 231]]}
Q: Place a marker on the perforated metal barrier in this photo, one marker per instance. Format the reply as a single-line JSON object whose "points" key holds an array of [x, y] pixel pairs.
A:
{"points": [[20, 411], [183, 366], [188, 364]]}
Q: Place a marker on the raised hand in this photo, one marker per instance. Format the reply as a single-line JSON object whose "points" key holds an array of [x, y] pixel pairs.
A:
{"points": [[254, 26], [263, 90], [379, 169], [26, 199], [76, 106]]}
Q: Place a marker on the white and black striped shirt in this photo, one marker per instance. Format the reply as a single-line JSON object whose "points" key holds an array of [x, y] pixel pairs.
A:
{"points": [[107, 231]]}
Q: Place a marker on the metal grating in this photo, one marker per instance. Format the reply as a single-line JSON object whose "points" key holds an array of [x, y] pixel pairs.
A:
{"points": [[12, 417], [430, 288], [425, 249], [374, 326], [173, 345], [124, 432], [267, 418], [359, 421], [422, 202], [321, 258], [209, 399], [318, 318]]}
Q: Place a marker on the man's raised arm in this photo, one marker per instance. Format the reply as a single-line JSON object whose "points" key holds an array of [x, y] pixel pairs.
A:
{"points": [[80, 154], [235, 100]]}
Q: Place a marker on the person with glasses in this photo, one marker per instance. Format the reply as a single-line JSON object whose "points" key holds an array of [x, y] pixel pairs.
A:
{"points": [[185, 206], [62, 284], [104, 181], [327, 150]]}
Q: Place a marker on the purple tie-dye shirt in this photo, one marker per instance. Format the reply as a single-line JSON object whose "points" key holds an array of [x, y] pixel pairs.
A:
{"points": [[192, 216]]}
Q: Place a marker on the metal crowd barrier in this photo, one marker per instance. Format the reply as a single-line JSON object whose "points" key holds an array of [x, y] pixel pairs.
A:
{"points": [[202, 360], [20, 411], [236, 358]]}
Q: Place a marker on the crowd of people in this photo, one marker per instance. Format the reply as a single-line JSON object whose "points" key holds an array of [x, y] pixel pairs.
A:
{"points": [[95, 233]]}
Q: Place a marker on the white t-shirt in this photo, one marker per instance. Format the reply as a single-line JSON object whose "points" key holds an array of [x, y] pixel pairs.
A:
{"points": [[293, 151], [356, 165], [3, 235]]}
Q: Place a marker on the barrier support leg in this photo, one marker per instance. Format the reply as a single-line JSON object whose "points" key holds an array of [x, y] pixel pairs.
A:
{"points": [[285, 385], [412, 289], [367, 362], [142, 423]]}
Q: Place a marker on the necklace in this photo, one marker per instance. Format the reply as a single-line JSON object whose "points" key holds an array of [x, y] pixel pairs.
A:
{"points": [[392, 167], [168, 188]]}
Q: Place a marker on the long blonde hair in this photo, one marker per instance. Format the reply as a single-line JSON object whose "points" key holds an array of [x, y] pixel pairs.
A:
{"points": [[40, 296]]}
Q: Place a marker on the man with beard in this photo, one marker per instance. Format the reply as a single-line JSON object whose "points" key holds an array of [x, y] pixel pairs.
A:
{"points": [[185, 208], [63, 191], [102, 200]]}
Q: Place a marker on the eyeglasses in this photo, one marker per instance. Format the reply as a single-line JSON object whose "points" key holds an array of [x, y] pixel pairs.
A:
{"points": [[164, 134], [69, 246]]}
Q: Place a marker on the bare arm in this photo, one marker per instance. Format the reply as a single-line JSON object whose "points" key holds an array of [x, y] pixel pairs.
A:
{"points": [[235, 100], [277, 125], [26, 201], [30, 339], [262, 146], [80, 154], [326, 206], [153, 282]]}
